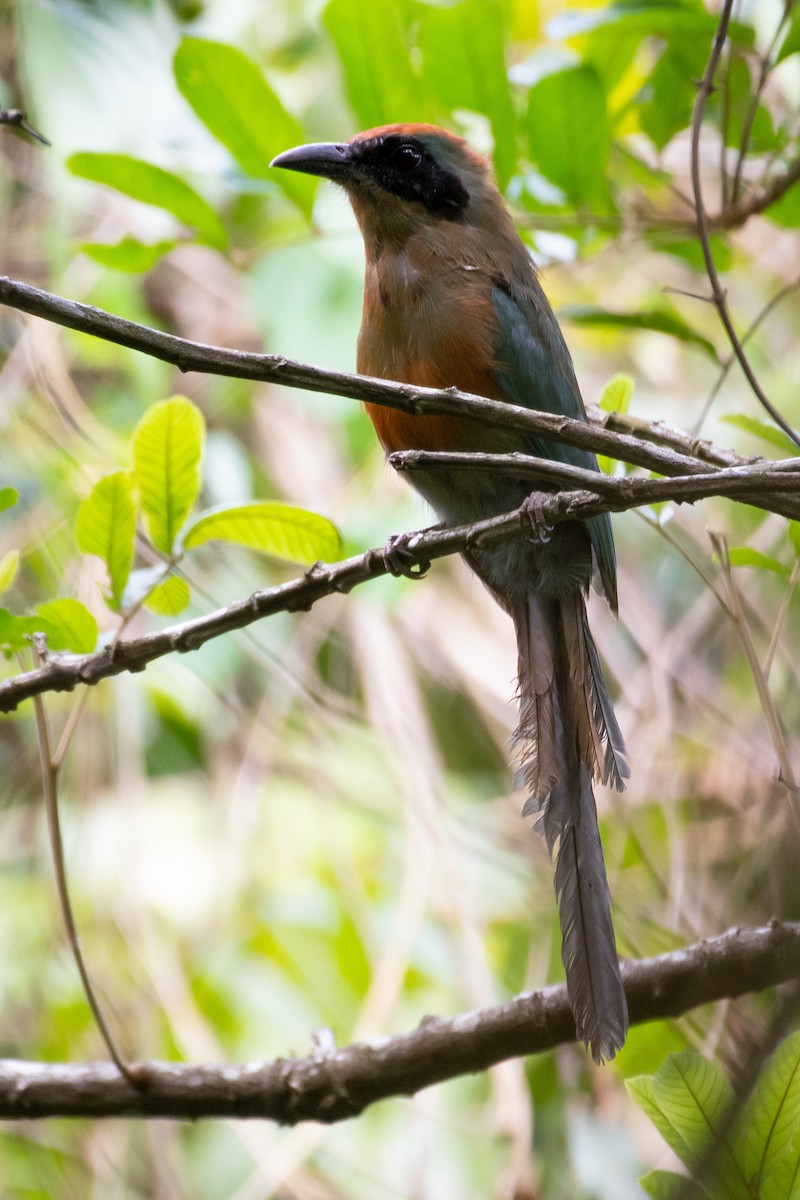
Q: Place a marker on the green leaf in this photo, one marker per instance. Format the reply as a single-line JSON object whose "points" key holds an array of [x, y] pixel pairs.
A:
{"points": [[655, 319], [170, 597], [666, 1185], [106, 526], [167, 449], [794, 536], [671, 91], [15, 632], [233, 99], [617, 394], [8, 498], [69, 625], [372, 46], [765, 431], [783, 1182], [153, 185], [128, 254], [569, 131], [668, 20], [791, 39], [745, 556], [729, 109], [463, 54], [9, 565], [771, 1118], [686, 1122], [285, 532]]}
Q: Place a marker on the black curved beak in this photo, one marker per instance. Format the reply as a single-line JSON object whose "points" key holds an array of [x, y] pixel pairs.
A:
{"points": [[331, 160]]}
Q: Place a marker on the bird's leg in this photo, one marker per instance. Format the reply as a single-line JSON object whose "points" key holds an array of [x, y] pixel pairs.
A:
{"points": [[532, 518], [398, 555]]}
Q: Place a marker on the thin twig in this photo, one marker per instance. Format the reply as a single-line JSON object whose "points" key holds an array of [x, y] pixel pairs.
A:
{"points": [[780, 620], [50, 789], [704, 89], [720, 543]]}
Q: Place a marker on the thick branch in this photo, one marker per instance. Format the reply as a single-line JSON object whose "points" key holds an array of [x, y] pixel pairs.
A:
{"points": [[64, 672], [194, 356], [332, 1085]]}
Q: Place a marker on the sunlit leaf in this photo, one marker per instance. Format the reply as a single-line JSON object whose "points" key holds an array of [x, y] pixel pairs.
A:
{"points": [[129, 254], [617, 394], [106, 526], [730, 108], [280, 530], [167, 449], [373, 51], [670, 20], [232, 98], [9, 565], [770, 1120], [70, 625], [463, 55], [746, 556], [765, 431], [8, 498], [671, 90], [170, 597], [150, 184], [569, 131], [655, 319], [15, 631]]}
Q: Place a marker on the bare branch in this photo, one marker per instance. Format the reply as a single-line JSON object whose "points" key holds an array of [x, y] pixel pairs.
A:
{"points": [[64, 672], [704, 90], [333, 1085], [270, 368]]}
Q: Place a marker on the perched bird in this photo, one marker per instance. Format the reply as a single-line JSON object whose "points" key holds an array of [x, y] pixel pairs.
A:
{"points": [[452, 299]]}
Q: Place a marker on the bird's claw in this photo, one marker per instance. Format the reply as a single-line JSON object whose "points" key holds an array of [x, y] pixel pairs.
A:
{"points": [[533, 519], [398, 555]]}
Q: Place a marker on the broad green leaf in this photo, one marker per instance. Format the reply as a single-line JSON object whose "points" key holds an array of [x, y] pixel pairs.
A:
{"points": [[8, 498], [463, 55], [232, 98], [15, 631], [170, 597], [167, 449], [149, 184], [790, 43], [617, 394], [128, 254], [671, 91], [70, 625], [687, 1100], [770, 1120], [655, 319], [372, 46], [668, 20], [794, 536], [746, 556], [786, 210], [569, 131], [765, 431], [281, 530], [783, 1182], [106, 526], [9, 565], [666, 1185]]}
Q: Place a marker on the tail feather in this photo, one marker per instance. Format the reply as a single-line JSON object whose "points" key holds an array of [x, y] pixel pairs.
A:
{"points": [[566, 716]]}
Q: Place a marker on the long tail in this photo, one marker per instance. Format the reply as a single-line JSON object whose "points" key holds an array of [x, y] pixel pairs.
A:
{"points": [[568, 734]]}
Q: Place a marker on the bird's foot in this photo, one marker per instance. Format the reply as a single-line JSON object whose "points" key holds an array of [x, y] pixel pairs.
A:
{"points": [[398, 555], [532, 518]]}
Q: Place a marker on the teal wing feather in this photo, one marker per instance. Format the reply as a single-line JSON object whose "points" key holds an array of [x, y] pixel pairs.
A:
{"points": [[534, 369]]}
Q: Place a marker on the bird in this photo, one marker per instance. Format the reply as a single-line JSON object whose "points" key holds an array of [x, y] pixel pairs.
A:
{"points": [[452, 298]]}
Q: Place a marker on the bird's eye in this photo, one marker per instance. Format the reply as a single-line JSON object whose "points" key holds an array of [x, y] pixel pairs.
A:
{"points": [[408, 157]]}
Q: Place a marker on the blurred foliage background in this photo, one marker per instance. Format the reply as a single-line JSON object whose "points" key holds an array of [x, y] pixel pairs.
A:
{"points": [[311, 824]]}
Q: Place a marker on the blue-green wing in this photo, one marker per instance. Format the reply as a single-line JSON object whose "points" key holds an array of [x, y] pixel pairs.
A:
{"points": [[535, 370]]}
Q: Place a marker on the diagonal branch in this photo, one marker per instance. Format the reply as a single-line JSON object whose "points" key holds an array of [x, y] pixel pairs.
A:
{"points": [[64, 672], [333, 1085], [668, 454]]}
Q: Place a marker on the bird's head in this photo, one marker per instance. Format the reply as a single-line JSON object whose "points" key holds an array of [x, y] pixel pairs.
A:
{"points": [[400, 178]]}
